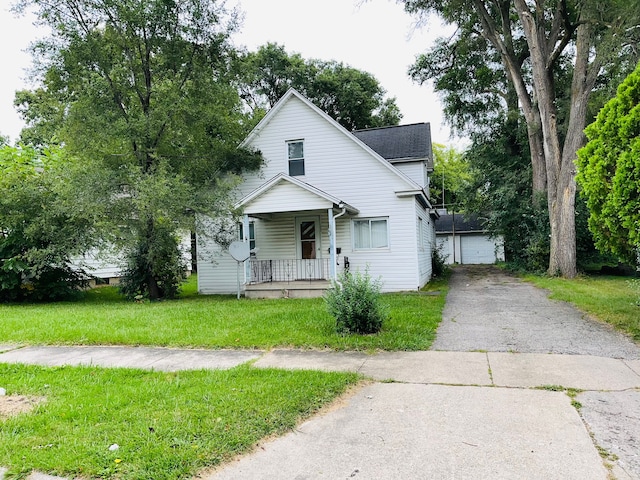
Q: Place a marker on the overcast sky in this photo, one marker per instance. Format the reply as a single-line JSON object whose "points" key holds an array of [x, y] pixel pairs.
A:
{"points": [[375, 36]]}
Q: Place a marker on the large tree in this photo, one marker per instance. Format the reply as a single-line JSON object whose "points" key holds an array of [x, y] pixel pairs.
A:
{"points": [[352, 97], [148, 103], [609, 173], [533, 41]]}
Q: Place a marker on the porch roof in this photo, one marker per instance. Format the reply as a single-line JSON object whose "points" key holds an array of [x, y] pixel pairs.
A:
{"points": [[283, 193]]}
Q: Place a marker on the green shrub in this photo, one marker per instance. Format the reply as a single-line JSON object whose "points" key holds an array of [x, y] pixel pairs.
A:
{"points": [[355, 303], [438, 262]]}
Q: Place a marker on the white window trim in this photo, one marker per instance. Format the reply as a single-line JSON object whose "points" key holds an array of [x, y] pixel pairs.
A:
{"points": [[369, 219], [286, 156]]}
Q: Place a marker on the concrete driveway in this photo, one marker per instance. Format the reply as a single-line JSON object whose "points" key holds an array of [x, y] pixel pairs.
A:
{"points": [[490, 310]]}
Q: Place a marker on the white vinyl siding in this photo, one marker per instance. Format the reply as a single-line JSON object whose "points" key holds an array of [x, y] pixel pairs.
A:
{"points": [[416, 171], [285, 196], [425, 242]]}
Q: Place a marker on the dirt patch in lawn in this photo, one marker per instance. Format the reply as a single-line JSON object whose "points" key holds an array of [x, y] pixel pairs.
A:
{"points": [[11, 405]]}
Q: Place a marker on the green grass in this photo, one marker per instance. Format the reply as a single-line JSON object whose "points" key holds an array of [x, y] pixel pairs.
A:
{"points": [[610, 299], [167, 425], [102, 317]]}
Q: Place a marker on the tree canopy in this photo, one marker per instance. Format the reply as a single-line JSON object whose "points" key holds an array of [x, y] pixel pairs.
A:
{"points": [[352, 97], [546, 57], [450, 178], [142, 92], [609, 172]]}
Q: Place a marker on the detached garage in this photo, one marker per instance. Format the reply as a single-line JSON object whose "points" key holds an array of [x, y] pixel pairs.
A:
{"points": [[462, 239]]}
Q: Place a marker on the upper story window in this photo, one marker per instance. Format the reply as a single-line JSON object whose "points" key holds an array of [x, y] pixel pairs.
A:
{"points": [[370, 233], [295, 156]]}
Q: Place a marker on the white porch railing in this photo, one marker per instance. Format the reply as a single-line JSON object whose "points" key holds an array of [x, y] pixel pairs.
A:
{"points": [[289, 270]]}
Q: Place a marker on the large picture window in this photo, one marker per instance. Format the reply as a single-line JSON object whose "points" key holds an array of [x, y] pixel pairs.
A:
{"points": [[295, 156], [370, 233]]}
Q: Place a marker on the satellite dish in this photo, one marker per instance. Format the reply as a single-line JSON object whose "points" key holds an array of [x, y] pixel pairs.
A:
{"points": [[240, 251]]}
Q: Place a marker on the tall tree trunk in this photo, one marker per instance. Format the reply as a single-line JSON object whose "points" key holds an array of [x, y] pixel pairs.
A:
{"points": [[582, 84], [560, 173]]}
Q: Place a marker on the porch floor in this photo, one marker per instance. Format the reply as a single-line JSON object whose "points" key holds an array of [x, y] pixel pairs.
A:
{"points": [[294, 289]]}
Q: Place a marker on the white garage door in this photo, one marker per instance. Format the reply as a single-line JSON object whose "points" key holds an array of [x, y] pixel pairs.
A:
{"points": [[477, 249]]}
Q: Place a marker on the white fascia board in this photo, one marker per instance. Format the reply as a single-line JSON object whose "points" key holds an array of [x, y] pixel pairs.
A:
{"points": [[408, 160]]}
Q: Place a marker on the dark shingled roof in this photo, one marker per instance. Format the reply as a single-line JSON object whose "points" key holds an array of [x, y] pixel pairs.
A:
{"points": [[402, 142], [464, 223]]}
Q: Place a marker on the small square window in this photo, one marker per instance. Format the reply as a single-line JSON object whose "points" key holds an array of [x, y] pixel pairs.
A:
{"points": [[295, 156]]}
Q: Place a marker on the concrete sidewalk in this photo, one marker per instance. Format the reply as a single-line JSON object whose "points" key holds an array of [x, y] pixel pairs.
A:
{"points": [[498, 369], [463, 415]]}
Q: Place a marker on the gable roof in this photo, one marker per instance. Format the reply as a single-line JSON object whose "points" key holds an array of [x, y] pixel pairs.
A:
{"points": [[293, 93], [400, 142], [270, 187], [463, 223]]}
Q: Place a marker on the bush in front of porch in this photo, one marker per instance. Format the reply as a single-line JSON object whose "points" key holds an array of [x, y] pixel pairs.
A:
{"points": [[355, 302]]}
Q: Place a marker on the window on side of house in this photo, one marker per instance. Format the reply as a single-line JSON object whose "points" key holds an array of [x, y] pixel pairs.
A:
{"points": [[370, 233], [420, 234], [295, 157], [252, 235]]}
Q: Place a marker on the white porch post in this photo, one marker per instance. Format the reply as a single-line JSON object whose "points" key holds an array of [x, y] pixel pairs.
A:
{"points": [[245, 238], [332, 245]]}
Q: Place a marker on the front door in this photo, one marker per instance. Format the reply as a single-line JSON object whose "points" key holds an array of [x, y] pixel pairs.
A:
{"points": [[309, 253]]}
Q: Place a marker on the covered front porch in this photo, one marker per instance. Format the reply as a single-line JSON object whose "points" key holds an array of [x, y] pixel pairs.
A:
{"points": [[291, 227]]}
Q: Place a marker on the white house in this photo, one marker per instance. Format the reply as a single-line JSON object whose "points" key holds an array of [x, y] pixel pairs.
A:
{"points": [[327, 199], [104, 266], [462, 239]]}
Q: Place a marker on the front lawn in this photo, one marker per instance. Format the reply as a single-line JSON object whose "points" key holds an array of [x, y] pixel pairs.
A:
{"points": [[104, 318], [158, 425], [610, 299]]}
